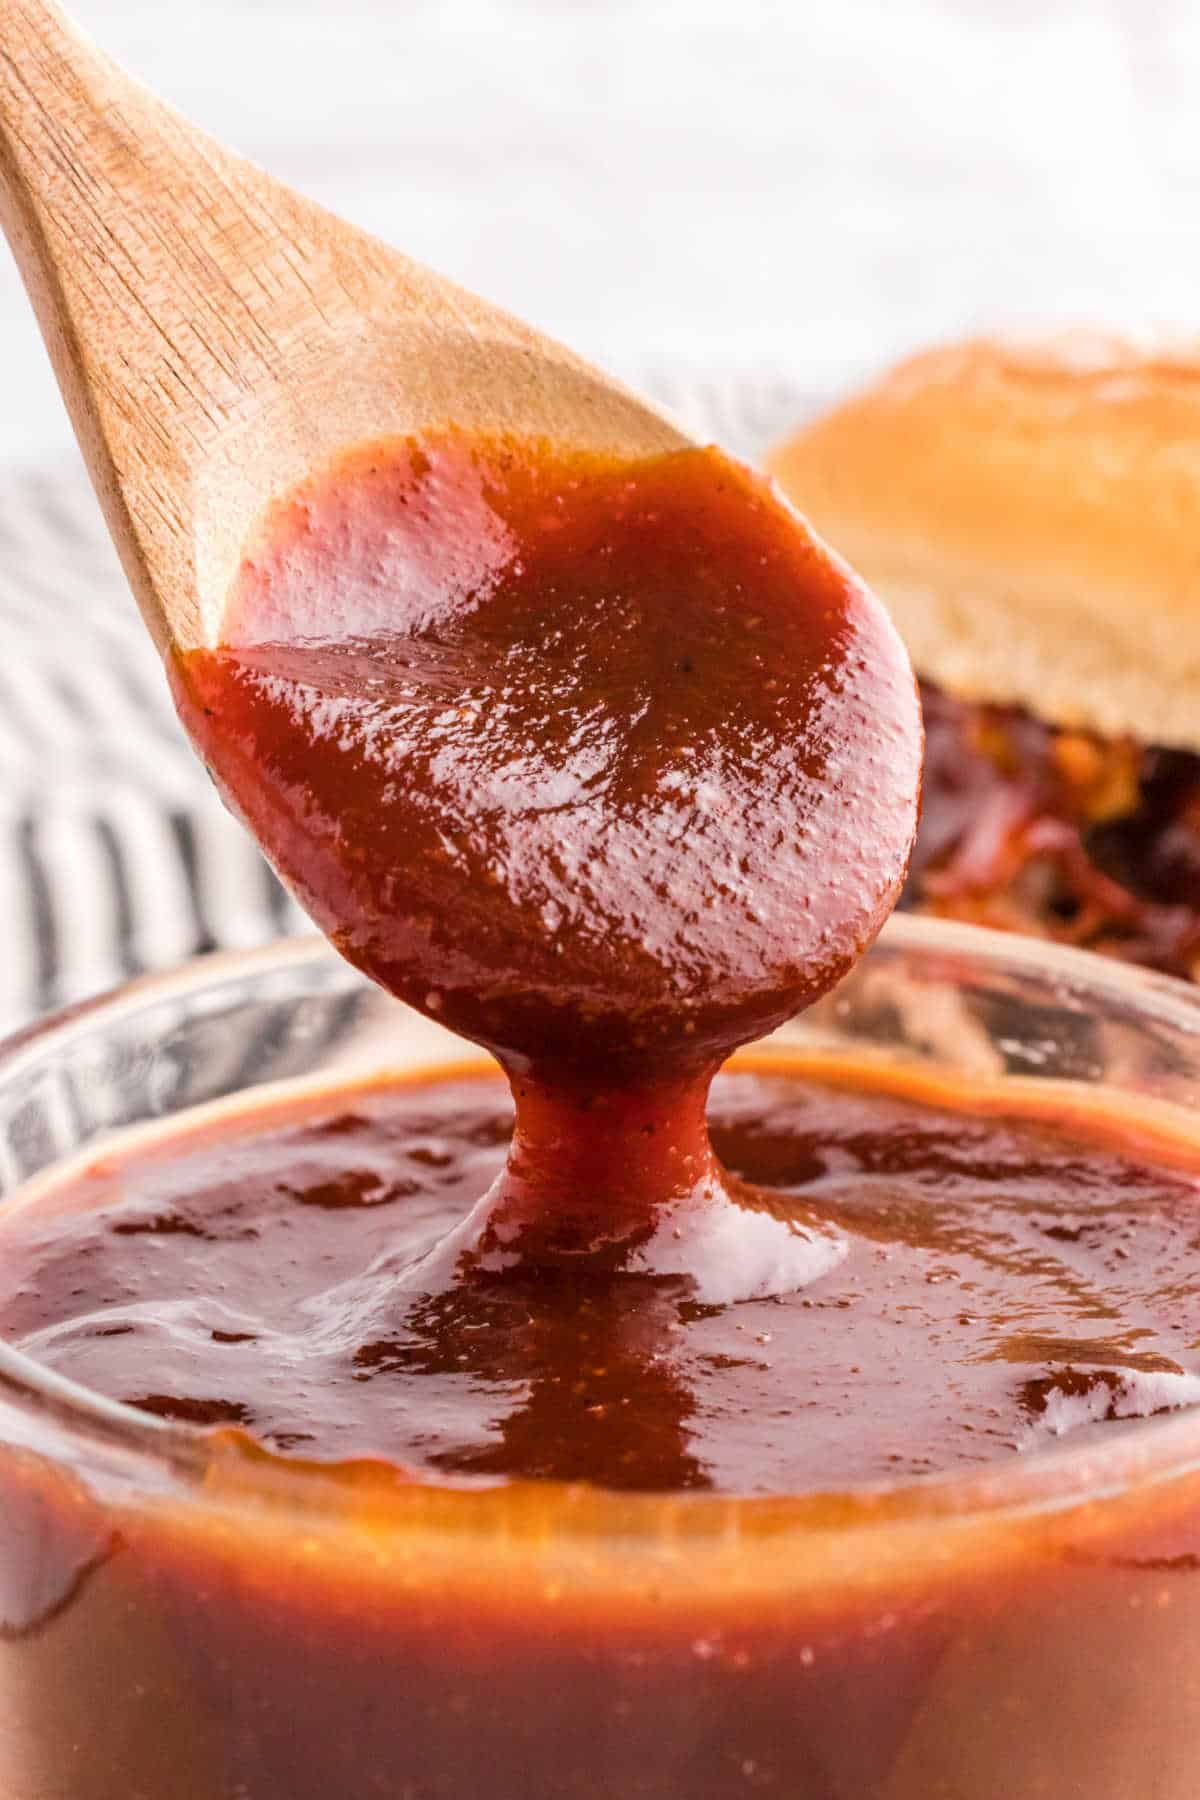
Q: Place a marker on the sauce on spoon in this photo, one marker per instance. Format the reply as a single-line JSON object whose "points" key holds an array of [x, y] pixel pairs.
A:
{"points": [[608, 766]]}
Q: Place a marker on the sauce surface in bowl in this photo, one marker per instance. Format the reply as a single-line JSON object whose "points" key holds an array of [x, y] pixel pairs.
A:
{"points": [[1002, 1282]]}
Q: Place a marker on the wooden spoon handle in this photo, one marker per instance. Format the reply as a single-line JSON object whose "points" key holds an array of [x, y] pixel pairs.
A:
{"points": [[215, 335], [186, 262], [170, 293]]}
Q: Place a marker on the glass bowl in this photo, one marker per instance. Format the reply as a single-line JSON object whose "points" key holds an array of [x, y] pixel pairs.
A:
{"points": [[181, 1619]]}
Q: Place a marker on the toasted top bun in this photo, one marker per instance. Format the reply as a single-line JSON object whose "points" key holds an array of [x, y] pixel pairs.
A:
{"points": [[1030, 512]]}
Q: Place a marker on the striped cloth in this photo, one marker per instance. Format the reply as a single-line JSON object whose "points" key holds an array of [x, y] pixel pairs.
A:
{"points": [[115, 855]]}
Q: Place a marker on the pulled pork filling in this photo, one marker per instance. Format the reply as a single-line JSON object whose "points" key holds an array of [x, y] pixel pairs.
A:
{"points": [[1059, 833]]}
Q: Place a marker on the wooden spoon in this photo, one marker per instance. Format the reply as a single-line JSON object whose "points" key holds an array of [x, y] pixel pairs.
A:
{"points": [[215, 334]]}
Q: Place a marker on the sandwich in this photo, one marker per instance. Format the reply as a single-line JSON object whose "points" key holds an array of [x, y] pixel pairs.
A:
{"points": [[1030, 513]]}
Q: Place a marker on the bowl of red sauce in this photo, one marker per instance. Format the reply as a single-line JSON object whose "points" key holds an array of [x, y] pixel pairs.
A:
{"points": [[928, 1525]]}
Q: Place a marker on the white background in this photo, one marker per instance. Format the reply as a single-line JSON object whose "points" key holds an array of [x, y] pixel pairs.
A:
{"points": [[798, 188]]}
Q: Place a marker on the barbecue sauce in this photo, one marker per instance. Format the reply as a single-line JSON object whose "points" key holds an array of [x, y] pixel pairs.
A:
{"points": [[611, 769], [608, 766]]}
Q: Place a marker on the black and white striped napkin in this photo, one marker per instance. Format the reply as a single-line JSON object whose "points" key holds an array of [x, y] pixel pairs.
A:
{"points": [[115, 855]]}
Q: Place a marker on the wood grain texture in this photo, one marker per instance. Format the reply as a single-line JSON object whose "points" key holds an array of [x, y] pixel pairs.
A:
{"points": [[215, 334]]}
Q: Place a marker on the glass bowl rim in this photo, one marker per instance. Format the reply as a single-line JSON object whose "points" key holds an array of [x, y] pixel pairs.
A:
{"points": [[1150, 1451]]}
